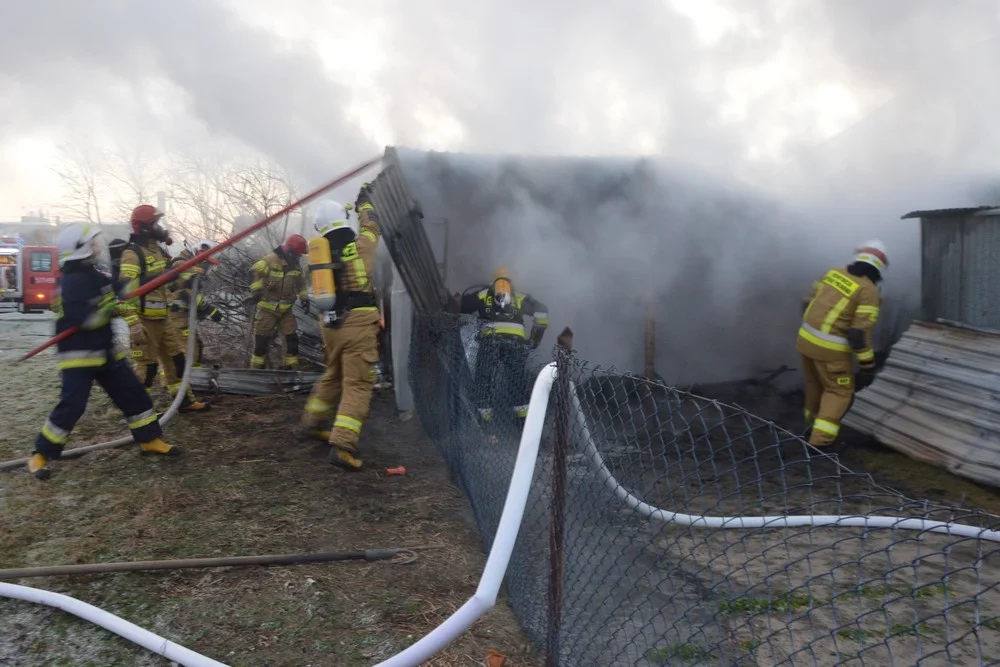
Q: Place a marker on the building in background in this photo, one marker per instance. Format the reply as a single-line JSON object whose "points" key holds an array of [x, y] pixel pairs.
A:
{"points": [[36, 230], [936, 398]]}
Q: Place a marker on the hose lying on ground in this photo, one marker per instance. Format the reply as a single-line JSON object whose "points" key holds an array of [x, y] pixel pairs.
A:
{"points": [[369, 555], [167, 416], [777, 521], [109, 621]]}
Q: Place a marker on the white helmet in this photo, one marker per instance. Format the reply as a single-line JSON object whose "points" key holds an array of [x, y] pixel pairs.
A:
{"points": [[200, 246], [872, 252], [331, 215], [80, 241]]}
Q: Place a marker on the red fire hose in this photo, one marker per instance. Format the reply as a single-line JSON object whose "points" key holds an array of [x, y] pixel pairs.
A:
{"points": [[202, 256]]}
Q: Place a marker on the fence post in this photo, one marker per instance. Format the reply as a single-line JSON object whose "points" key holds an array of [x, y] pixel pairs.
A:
{"points": [[557, 515]]}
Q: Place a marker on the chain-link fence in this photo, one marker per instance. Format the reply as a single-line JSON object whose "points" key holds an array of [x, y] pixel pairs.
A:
{"points": [[664, 528]]}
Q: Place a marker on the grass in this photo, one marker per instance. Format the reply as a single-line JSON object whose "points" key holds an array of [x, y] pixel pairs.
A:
{"points": [[247, 484], [687, 652], [780, 601]]}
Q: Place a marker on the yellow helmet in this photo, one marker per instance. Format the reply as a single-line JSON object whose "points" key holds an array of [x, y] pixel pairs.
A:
{"points": [[503, 290]]}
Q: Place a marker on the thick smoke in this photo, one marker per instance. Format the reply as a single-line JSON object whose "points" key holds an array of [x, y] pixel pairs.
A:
{"points": [[603, 242], [723, 260]]}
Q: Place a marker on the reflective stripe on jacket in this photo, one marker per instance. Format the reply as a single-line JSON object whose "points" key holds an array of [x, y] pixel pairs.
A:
{"points": [[838, 303], [82, 291], [508, 322], [277, 282], [153, 305]]}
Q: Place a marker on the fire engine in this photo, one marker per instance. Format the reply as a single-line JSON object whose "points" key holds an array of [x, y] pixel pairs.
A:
{"points": [[28, 274]]}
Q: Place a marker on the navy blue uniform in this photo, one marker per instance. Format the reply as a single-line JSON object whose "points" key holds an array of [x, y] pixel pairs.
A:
{"points": [[88, 357]]}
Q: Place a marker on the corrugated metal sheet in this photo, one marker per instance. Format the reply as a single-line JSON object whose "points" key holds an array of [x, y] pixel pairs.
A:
{"points": [[960, 275], [944, 213], [251, 382], [938, 400], [941, 271], [981, 272], [403, 230]]}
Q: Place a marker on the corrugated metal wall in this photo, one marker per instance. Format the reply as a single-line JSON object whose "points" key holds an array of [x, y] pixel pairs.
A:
{"points": [[981, 271], [942, 265], [406, 238], [961, 274]]}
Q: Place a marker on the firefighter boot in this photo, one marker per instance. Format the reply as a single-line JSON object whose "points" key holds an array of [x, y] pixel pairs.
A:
{"points": [[190, 402], [318, 433], [345, 456], [157, 446], [187, 405], [38, 466]]}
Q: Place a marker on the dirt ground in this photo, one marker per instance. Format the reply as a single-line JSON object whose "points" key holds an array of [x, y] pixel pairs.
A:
{"points": [[806, 594], [248, 484]]}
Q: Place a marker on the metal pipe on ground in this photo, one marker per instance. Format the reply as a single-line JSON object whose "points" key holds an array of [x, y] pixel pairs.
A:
{"points": [[368, 555]]}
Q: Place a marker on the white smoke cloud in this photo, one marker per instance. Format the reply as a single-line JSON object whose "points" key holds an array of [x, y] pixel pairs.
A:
{"points": [[820, 122]]}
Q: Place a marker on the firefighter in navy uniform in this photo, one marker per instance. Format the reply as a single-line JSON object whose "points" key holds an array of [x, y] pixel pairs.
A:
{"points": [[181, 293], [277, 282], [350, 330], [503, 343], [836, 328], [87, 298]]}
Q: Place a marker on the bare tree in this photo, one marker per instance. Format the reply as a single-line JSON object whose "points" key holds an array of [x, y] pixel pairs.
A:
{"points": [[215, 198], [208, 196], [133, 175], [81, 170]]}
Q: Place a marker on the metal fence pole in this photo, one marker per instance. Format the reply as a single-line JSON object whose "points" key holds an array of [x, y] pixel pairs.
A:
{"points": [[563, 350]]}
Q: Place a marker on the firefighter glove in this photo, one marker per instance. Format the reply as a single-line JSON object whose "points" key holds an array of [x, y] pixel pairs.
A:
{"points": [[216, 315], [100, 317], [364, 195], [138, 334], [866, 375], [304, 301]]}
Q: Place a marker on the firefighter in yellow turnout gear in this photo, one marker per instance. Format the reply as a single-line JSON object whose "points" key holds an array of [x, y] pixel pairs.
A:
{"points": [[180, 296], [154, 342], [837, 325], [277, 282], [350, 329]]}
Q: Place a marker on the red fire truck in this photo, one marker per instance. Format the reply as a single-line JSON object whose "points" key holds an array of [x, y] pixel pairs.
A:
{"points": [[29, 275]]}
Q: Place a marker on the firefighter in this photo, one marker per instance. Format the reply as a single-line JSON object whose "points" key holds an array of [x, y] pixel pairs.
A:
{"points": [[119, 326], [154, 343], [277, 281], [842, 310], [343, 395], [87, 298], [180, 295], [503, 344]]}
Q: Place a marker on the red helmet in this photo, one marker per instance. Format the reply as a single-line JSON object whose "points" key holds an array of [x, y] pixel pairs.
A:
{"points": [[144, 216], [295, 244]]}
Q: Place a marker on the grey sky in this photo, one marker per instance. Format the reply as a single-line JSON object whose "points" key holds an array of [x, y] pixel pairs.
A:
{"points": [[844, 114]]}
